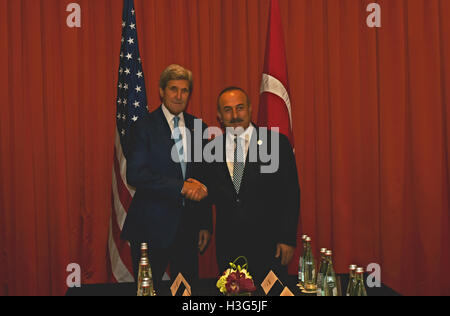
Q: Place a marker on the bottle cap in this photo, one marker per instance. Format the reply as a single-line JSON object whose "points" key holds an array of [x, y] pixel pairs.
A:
{"points": [[359, 270], [352, 267], [308, 238], [323, 250], [328, 253], [304, 237]]}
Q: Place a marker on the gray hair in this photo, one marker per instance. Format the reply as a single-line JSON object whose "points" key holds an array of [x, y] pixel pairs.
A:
{"points": [[175, 72]]}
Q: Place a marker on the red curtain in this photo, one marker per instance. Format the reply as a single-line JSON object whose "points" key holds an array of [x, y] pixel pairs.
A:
{"points": [[370, 115]]}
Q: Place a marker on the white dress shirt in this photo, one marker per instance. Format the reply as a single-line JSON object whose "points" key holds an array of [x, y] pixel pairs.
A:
{"points": [[181, 124]]}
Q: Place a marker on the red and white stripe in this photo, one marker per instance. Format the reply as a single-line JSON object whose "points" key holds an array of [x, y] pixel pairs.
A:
{"points": [[121, 196]]}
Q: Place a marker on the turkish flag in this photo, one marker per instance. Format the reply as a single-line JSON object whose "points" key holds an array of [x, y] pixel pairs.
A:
{"points": [[274, 104]]}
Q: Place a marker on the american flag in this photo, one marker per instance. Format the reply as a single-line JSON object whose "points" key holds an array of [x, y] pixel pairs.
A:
{"points": [[131, 106]]}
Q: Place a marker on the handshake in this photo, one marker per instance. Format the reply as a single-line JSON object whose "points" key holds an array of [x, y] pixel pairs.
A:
{"points": [[194, 190]]}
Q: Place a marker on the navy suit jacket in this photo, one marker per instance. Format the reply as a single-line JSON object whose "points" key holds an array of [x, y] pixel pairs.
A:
{"points": [[157, 207]]}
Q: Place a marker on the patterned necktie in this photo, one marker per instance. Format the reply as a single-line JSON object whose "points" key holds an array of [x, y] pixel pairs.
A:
{"points": [[178, 137], [239, 164]]}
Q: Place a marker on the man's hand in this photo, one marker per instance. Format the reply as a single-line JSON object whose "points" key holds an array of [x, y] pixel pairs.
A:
{"points": [[194, 190], [203, 239], [286, 252]]}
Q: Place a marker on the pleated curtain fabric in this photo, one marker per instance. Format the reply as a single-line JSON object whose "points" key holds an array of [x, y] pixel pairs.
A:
{"points": [[370, 113]]}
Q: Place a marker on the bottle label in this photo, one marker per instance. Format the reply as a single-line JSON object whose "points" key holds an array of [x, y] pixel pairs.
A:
{"points": [[319, 280], [300, 269]]}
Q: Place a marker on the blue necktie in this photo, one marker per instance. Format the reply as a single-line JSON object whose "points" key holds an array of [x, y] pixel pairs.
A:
{"points": [[178, 137]]}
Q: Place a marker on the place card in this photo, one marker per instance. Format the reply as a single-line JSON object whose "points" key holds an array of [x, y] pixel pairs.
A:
{"points": [[273, 286], [269, 281], [287, 292], [180, 286]]}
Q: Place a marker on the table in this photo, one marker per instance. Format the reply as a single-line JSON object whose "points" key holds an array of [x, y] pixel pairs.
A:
{"points": [[207, 287]]}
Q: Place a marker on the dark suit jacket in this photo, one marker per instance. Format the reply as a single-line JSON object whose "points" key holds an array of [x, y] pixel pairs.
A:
{"points": [[157, 207], [266, 210]]}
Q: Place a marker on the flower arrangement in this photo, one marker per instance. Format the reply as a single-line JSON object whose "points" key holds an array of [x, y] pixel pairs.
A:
{"points": [[236, 280]]}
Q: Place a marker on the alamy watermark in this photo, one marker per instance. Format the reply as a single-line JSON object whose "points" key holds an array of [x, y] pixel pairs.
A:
{"points": [[374, 278], [262, 147], [74, 18], [74, 277]]}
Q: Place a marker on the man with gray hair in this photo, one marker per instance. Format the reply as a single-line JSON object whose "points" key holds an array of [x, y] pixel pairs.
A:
{"points": [[168, 210]]}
